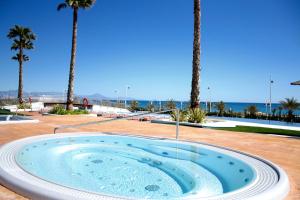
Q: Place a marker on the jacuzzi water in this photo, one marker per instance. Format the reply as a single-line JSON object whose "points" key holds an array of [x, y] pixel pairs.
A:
{"points": [[134, 167], [13, 118]]}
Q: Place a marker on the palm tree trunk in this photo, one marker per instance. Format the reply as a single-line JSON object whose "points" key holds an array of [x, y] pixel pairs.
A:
{"points": [[70, 97], [195, 92], [20, 88]]}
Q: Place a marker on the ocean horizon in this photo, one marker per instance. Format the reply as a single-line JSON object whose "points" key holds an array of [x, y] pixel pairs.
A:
{"points": [[233, 106]]}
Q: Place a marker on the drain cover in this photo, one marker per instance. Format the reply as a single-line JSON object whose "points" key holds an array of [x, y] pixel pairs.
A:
{"points": [[97, 161], [152, 188]]}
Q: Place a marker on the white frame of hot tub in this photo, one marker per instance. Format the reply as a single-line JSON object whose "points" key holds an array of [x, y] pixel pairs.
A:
{"points": [[270, 182], [28, 120]]}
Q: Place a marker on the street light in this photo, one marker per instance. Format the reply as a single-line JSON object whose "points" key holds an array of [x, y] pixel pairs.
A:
{"points": [[209, 100], [159, 105], [270, 100], [126, 91], [116, 92]]}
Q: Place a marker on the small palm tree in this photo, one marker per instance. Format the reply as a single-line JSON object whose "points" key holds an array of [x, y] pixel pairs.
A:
{"points": [[280, 108], [196, 115], [22, 40], [290, 104], [274, 110], [150, 107], [75, 5], [195, 91], [134, 105], [183, 115], [252, 109], [221, 108], [170, 105]]}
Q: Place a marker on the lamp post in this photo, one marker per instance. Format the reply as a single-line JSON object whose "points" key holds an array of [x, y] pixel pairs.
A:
{"points": [[126, 91], [209, 99], [270, 100], [159, 105], [117, 96]]}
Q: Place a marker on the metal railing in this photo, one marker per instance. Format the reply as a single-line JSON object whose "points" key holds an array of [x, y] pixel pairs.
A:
{"points": [[123, 118]]}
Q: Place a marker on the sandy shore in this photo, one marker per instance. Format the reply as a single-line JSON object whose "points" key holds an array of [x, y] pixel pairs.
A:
{"points": [[282, 151]]}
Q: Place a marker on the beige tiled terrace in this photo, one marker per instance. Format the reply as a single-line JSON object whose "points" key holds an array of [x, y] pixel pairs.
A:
{"points": [[283, 151]]}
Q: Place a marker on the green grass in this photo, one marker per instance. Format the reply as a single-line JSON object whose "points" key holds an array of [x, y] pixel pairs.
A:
{"points": [[59, 110], [70, 112], [262, 130]]}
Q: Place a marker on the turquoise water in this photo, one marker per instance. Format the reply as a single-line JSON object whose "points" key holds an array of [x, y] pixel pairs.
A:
{"points": [[13, 118], [134, 167]]}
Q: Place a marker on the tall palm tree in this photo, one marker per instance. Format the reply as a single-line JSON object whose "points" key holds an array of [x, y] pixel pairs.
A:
{"points": [[22, 40], [290, 104], [75, 5], [195, 92]]}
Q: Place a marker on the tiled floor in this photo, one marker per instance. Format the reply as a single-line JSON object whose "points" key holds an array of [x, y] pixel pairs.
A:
{"points": [[283, 151]]}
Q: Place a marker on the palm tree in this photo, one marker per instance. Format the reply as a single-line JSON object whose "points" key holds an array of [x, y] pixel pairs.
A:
{"points": [[290, 104], [22, 39], [75, 5], [134, 105], [196, 56], [280, 108], [221, 108], [170, 104], [252, 109], [150, 107]]}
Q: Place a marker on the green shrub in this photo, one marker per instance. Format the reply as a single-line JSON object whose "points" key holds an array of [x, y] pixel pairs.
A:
{"points": [[77, 112], [58, 109], [24, 106], [196, 115], [183, 116]]}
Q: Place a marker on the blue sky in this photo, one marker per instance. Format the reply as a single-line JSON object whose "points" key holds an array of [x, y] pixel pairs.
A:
{"points": [[147, 44]]}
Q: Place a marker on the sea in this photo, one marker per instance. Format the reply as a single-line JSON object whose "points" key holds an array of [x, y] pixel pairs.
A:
{"points": [[233, 106]]}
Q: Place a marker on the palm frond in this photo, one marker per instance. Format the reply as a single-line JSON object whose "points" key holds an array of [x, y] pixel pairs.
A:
{"points": [[28, 45], [86, 4], [18, 57], [14, 46], [61, 6], [13, 32], [22, 37], [15, 58], [25, 58]]}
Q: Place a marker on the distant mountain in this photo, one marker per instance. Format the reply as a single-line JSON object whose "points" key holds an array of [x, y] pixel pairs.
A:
{"points": [[95, 96], [14, 94]]}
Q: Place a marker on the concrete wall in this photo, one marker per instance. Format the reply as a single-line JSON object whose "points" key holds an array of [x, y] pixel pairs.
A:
{"points": [[106, 109], [36, 106]]}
